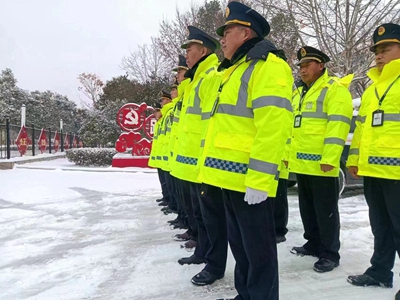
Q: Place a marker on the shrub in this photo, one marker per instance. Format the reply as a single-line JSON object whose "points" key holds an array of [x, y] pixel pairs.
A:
{"points": [[91, 156]]}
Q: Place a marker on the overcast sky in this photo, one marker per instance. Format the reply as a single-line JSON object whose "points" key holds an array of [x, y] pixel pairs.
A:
{"points": [[47, 43]]}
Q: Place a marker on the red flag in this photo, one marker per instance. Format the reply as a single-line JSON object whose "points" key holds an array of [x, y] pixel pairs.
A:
{"points": [[42, 141], [23, 140], [66, 141], [56, 141]]}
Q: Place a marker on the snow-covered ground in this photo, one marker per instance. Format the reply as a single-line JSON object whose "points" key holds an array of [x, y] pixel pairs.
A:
{"points": [[101, 235]]}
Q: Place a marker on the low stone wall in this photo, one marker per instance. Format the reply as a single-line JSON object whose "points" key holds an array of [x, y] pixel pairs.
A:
{"points": [[9, 164]]}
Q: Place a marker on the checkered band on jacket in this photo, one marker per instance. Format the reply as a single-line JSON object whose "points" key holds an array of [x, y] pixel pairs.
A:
{"points": [[307, 156], [387, 161], [226, 165], [186, 160]]}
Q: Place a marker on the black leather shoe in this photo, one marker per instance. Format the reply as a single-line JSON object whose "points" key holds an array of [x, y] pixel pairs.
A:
{"points": [[175, 221], [179, 225], [205, 278], [163, 203], [325, 265], [280, 239], [195, 260], [302, 251], [366, 280], [397, 297], [159, 200], [182, 237]]}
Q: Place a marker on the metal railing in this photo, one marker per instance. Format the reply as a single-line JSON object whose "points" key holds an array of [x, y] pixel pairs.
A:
{"points": [[9, 133]]}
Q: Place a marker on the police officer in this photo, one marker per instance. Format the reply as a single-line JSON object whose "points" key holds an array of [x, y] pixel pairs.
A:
{"points": [[244, 143], [165, 129], [375, 155], [322, 109], [182, 219], [201, 60], [156, 160]]}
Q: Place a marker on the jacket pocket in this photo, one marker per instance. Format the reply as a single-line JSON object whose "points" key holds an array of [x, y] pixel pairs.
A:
{"points": [[389, 141], [315, 129], [234, 141]]}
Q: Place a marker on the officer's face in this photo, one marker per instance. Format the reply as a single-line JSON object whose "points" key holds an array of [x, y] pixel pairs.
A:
{"points": [[164, 100], [193, 54], [181, 75], [385, 53], [157, 113], [174, 93], [234, 37], [310, 71]]}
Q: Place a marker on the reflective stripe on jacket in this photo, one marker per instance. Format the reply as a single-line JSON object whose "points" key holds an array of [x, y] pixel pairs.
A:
{"points": [[189, 134], [326, 113], [246, 135], [156, 159], [175, 124], [376, 150]]}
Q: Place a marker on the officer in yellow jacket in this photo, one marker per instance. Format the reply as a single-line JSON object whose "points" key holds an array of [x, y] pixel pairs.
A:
{"points": [[182, 220], [375, 155], [322, 112], [201, 60], [244, 145], [156, 159]]}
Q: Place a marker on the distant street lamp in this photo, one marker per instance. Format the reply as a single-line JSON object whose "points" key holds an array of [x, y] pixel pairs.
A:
{"points": [[61, 135]]}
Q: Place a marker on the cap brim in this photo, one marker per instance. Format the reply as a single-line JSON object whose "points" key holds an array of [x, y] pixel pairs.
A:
{"points": [[388, 41], [180, 67], [308, 60], [220, 30]]}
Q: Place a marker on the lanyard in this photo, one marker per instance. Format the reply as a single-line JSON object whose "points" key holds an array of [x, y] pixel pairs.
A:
{"points": [[214, 108], [385, 93], [303, 95]]}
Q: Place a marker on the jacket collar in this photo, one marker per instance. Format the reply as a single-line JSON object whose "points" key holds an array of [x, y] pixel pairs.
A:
{"points": [[201, 66], [255, 48], [390, 70]]}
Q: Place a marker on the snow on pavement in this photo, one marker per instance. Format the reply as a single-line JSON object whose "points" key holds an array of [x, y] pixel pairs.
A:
{"points": [[101, 235]]}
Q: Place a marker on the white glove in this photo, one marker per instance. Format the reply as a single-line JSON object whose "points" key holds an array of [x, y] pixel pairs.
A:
{"points": [[253, 196]]}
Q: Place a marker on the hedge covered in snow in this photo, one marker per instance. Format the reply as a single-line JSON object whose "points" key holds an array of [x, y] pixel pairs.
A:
{"points": [[91, 156]]}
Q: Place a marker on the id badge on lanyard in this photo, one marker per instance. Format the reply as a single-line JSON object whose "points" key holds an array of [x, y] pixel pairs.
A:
{"points": [[297, 121], [378, 115], [377, 118]]}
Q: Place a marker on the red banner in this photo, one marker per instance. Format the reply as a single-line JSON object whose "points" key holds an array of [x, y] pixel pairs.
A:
{"points": [[75, 142], [66, 141], [42, 141], [56, 141], [23, 141]]}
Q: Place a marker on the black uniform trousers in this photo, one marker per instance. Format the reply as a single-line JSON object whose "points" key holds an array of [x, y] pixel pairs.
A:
{"points": [[179, 201], [383, 199], [281, 208], [171, 190], [319, 211], [202, 238], [187, 204], [163, 183], [213, 213], [251, 236]]}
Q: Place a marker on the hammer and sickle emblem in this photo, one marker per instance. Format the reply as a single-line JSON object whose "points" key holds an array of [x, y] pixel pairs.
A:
{"points": [[131, 118]]}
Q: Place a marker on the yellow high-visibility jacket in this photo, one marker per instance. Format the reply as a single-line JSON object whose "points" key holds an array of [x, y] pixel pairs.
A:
{"points": [[189, 135], [175, 123], [247, 132], [165, 152], [156, 159], [326, 111], [376, 150]]}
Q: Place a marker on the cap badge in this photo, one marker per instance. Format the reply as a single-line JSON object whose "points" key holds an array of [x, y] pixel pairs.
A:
{"points": [[381, 30], [227, 12], [187, 31], [303, 52]]}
